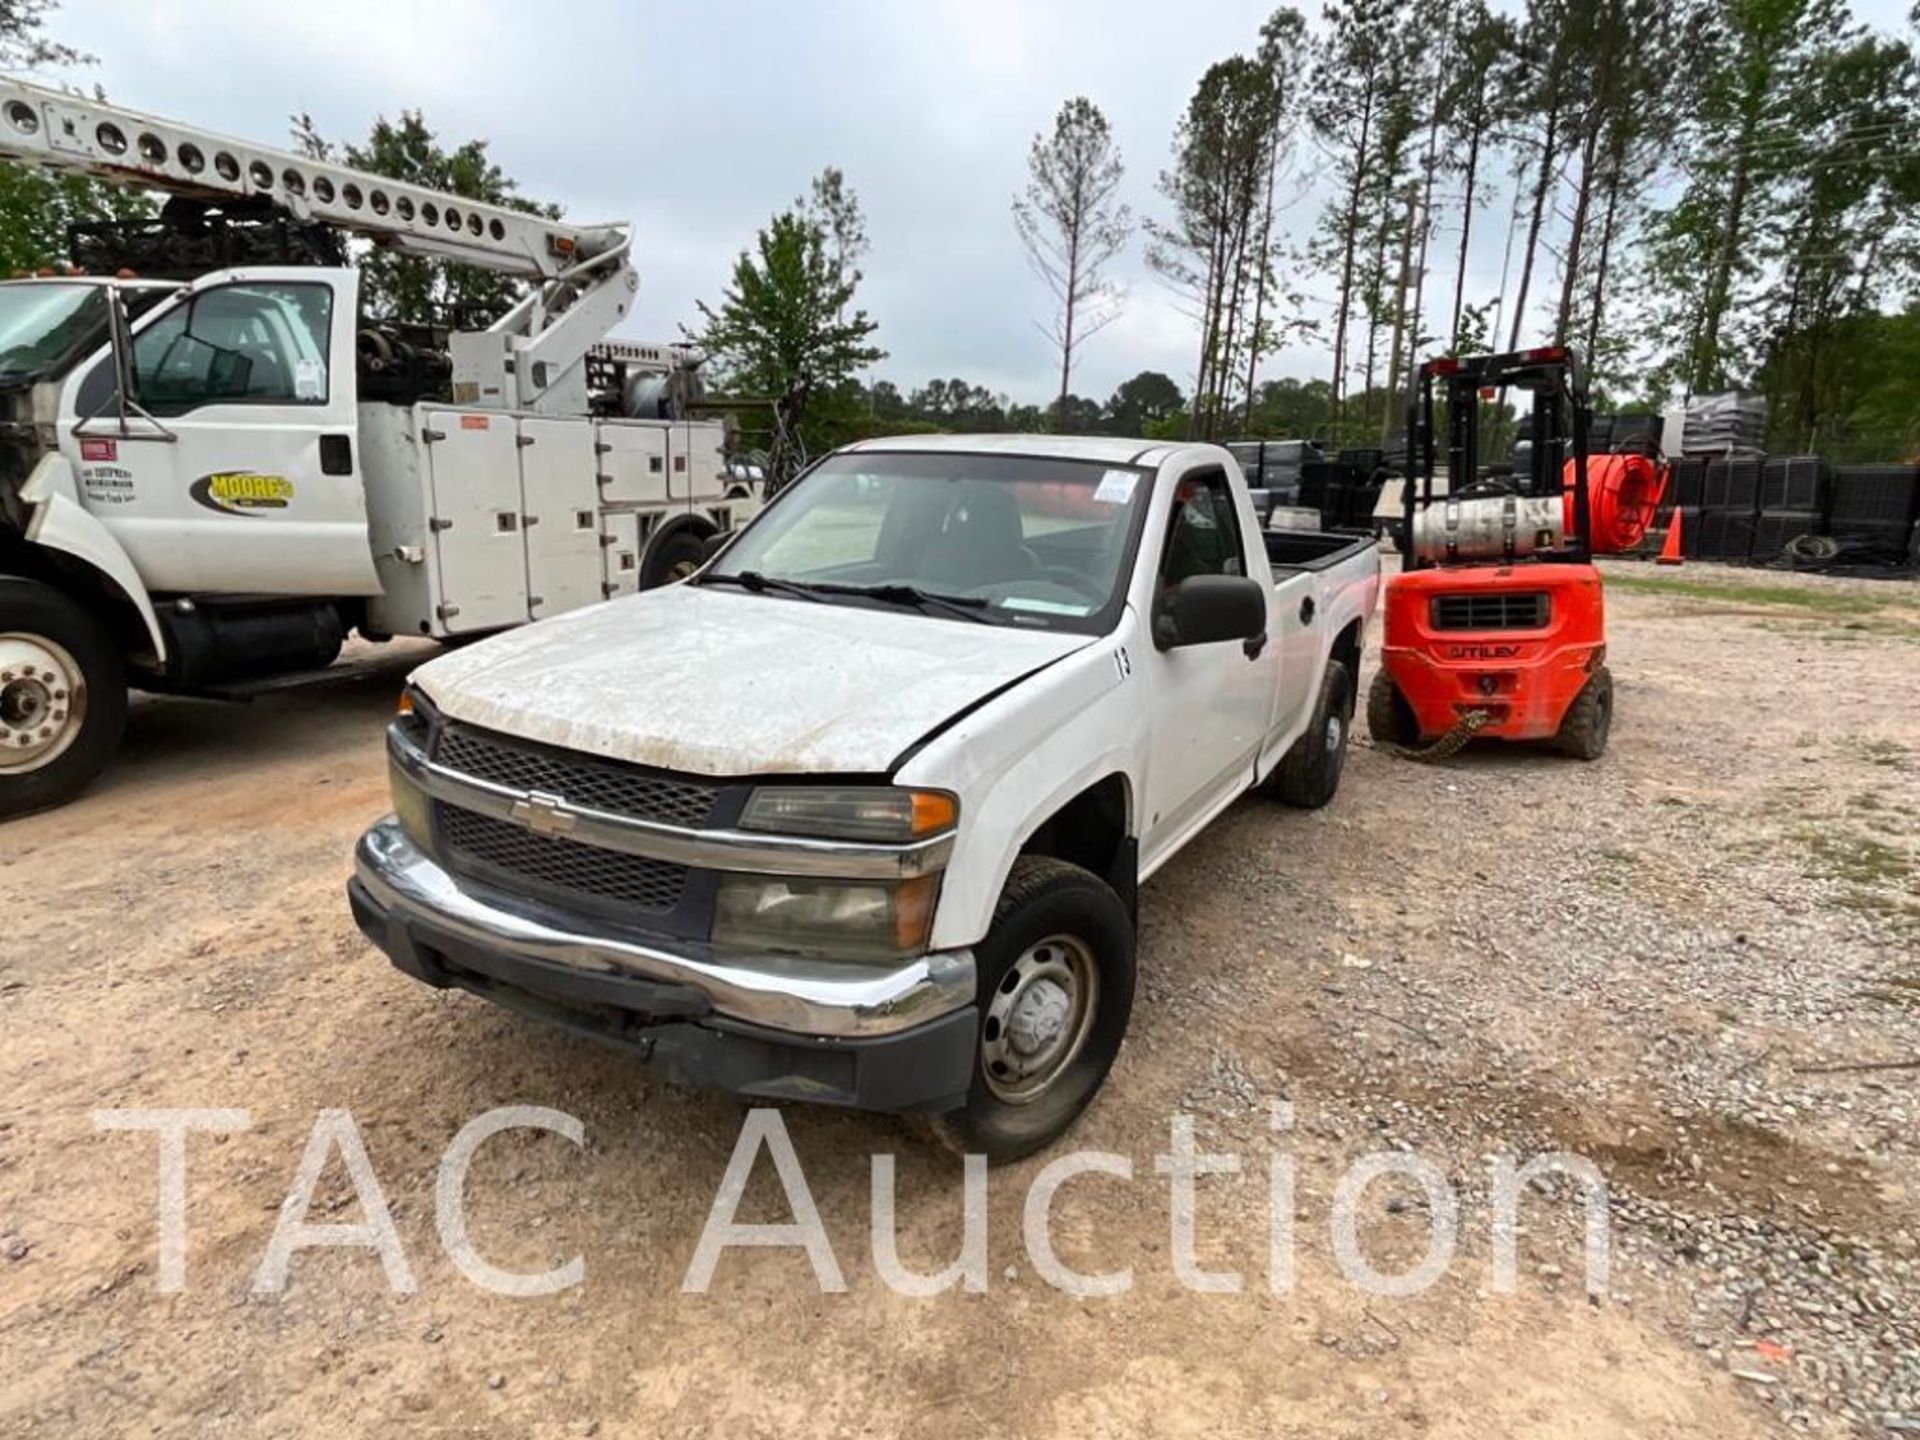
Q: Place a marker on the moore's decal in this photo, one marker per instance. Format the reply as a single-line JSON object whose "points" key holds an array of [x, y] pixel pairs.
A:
{"points": [[240, 492]]}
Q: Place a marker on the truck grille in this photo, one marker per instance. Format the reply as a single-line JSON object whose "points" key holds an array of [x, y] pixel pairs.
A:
{"points": [[584, 872], [1494, 610], [580, 781]]}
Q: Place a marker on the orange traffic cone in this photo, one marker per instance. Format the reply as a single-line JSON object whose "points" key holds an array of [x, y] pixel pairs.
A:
{"points": [[1670, 548]]}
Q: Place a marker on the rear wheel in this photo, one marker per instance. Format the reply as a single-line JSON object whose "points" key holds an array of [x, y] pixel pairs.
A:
{"points": [[1588, 721], [1309, 773], [1390, 719], [1056, 989], [673, 557], [63, 697]]}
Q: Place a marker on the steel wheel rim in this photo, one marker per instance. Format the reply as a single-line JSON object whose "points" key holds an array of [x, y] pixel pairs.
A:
{"points": [[1333, 734], [43, 702], [1039, 1018]]}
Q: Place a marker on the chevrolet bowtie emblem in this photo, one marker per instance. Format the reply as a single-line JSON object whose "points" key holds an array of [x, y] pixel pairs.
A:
{"points": [[543, 814]]}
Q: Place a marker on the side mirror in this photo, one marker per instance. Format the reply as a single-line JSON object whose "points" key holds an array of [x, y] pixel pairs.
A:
{"points": [[1209, 609]]}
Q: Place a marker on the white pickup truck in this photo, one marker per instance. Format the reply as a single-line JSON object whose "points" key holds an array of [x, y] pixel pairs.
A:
{"points": [[859, 813]]}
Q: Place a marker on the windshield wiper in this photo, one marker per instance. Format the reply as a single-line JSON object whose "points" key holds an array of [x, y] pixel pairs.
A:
{"points": [[967, 607], [760, 584]]}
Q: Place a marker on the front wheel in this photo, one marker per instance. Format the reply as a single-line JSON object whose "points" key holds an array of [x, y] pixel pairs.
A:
{"points": [[63, 697], [1056, 989]]}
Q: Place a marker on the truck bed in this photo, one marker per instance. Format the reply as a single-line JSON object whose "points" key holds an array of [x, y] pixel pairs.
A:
{"points": [[1292, 551]]}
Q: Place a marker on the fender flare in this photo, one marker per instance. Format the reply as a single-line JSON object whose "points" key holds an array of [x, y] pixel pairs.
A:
{"points": [[59, 522]]}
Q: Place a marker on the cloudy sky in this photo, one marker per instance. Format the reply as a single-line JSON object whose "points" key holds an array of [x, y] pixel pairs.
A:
{"points": [[697, 121]]}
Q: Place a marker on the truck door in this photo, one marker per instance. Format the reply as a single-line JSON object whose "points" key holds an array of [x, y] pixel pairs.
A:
{"points": [[246, 478], [1211, 703]]}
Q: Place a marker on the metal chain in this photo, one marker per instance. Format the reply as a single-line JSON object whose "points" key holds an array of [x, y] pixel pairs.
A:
{"points": [[1449, 744]]}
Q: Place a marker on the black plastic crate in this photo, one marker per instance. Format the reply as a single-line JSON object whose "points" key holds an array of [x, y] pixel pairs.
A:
{"points": [[1636, 433], [1713, 483], [1792, 482], [1688, 483], [1876, 495], [1774, 528], [1725, 534], [1743, 482], [1363, 462]]}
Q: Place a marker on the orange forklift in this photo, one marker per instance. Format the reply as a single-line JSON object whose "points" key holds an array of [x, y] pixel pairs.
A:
{"points": [[1496, 626]]}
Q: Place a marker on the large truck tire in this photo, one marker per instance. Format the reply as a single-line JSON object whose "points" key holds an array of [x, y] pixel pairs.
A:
{"points": [[1308, 775], [673, 557], [1056, 989], [63, 697]]}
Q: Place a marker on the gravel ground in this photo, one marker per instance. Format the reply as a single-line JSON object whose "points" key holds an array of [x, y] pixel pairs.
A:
{"points": [[1684, 962]]}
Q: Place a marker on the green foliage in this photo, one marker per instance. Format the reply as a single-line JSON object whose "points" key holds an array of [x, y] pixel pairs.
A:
{"points": [[411, 288], [786, 329], [1147, 399], [36, 208]]}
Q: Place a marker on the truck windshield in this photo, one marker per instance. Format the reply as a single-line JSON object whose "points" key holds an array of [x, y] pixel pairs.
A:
{"points": [[1015, 539], [46, 328]]}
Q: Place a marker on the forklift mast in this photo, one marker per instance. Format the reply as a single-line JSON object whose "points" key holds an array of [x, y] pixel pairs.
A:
{"points": [[1558, 427]]}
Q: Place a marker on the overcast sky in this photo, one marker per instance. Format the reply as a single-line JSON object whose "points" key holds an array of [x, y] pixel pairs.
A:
{"points": [[698, 121]]}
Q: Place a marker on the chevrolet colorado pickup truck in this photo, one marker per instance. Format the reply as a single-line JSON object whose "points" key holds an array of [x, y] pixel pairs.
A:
{"points": [[859, 812]]}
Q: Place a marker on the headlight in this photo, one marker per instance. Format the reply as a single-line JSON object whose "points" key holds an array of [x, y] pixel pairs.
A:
{"points": [[410, 806], [854, 812], [832, 919]]}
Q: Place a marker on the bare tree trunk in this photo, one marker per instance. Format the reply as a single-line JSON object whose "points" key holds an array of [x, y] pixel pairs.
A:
{"points": [[1616, 180], [1583, 201], [1400, 314], [1261, 280], [1543, 183], [1466, 214], [1350, 225], [1066, 331], [1705, 370]]}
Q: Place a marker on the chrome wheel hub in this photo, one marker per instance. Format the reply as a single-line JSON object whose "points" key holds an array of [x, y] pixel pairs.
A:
{"points": [[42, 702], [1038, 1018], [1333, 734]]}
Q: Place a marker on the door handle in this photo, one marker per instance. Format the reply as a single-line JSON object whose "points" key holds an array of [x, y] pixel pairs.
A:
{"points": [[1254, 644], [1306, 611]]}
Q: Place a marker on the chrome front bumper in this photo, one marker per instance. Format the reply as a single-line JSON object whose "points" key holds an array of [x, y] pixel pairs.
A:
{"points": [[823, 999]]}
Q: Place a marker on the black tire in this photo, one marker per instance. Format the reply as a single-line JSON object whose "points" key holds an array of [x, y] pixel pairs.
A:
{"points": [[1589, 720], [1309, 773], [36, 616], [1045, 900], [1390, 719], [673, 557]]}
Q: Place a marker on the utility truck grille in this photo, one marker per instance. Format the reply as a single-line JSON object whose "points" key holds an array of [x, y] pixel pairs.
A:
{"points": [[580, 872], [1493, 610], [580, 781]]}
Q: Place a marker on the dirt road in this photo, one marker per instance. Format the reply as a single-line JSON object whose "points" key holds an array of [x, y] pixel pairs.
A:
{"points": [[1673, 962]]}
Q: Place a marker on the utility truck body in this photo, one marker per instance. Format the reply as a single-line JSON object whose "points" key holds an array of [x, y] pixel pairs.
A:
{"points": [[213, 469], [859, 812]]}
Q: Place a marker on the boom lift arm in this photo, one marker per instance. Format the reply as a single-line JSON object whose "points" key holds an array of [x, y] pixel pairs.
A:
{"points": [[532, 358]]}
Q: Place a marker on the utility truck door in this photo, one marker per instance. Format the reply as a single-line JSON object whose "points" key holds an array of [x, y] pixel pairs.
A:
{"points": [[237, 469]]}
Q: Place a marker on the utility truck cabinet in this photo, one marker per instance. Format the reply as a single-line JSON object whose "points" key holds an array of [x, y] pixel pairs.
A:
{"points": [[480, 519]]}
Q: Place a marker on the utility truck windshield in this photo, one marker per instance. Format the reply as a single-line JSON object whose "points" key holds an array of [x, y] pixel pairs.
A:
{"points": [[1009, 540], [45, 327]]}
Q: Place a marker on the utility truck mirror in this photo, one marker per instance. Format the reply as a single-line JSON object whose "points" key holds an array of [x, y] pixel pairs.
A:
{"points": [[1209, 609]]}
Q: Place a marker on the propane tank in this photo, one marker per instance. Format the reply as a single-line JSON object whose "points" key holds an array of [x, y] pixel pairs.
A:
{"points": [[1488, 527]]}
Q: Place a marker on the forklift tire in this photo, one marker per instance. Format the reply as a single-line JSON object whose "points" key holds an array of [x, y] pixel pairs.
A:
{"points": [[1584, 728], [63, 697], [673, 557], [1390, 719], [1309, 773], [1056, 989]]}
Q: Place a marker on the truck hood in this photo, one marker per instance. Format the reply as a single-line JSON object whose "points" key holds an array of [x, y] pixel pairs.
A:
{"points": [[720, 682]]}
